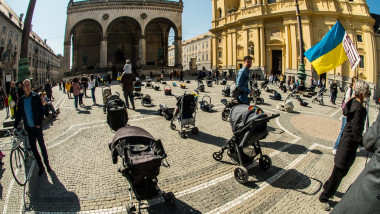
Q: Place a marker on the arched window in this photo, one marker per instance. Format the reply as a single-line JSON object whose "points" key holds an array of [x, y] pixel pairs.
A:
{"points": [[219, 14]]}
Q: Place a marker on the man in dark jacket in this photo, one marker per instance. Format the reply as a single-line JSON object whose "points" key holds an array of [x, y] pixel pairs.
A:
{"points": [[364, 194], [242, 79], [31, 109], [349, 142], [127, 80], [48, 89]]}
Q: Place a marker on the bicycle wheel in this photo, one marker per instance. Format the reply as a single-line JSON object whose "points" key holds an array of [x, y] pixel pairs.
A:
{"points": [[18, 166]]}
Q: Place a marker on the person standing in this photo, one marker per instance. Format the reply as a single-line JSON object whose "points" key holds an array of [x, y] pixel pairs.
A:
{"points": [[68, 88], [349, 142], [347, 96], [6, 105], [242, 79], [127, 81], [92, 86], [181, 76], [13, 99], [109, 80], [48, 89], [81, 89], [76, 92], [31, 111], [334, 91]]}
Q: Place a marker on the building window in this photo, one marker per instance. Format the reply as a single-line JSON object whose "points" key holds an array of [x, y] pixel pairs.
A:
{"points": [[206, 57], [220, 54], [206, 44], [359, 37], [219, 15], [361, 64], [220, 41], [272, 1]]}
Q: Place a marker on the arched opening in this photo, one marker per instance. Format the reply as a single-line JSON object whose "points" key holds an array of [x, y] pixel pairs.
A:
{"points": [[158, 38], [219, 13], [123, 36], [86, 37], [233, 5]]}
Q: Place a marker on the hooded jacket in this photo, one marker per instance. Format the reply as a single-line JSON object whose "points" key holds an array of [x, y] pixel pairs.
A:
{"points": [[352, 134]]}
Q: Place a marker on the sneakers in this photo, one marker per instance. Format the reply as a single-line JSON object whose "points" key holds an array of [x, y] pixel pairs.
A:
{"points": [[77, 109], [325, 206], [334, 152]]}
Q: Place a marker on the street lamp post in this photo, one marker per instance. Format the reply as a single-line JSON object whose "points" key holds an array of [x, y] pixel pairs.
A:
{"points": [[23, 71], [301, 70]]}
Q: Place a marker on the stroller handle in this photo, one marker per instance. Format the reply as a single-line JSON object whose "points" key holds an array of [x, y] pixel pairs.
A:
{"points": [[206, 96], [268, 118]]}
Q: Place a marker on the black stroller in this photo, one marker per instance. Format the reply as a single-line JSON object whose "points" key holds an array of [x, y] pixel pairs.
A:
{"points": [[209, 82], [137, 90], [146, 101], [227, 107], [319, 97], [141, 156], [166, 112], [264, 84], [275, 96], [201, 86], [148, 84], [206, 106], [185, 113], [249, 125], [226, 91], [256, 99]]}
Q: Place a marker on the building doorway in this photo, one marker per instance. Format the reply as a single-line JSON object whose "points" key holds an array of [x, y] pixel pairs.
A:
{"points": [[277, 62]]}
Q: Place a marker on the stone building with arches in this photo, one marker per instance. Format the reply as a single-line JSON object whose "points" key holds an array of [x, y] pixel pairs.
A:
{"points": [[268, 31], [101, 34]]}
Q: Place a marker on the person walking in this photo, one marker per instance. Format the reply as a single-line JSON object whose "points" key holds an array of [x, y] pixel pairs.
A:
{"points": [[242, 79], [48, 89], [84, 83], [31, 111], [127, 81], [349, 142], [333, 91], [109, 80], [363, 195], [347, 96], [76, 92], [92, 86], [68, 88], [81, 90], [63, 86]]}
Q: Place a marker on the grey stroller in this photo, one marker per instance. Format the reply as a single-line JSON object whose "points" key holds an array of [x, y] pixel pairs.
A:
{"points": [[249, 125], [319, 97], [185, 114]]}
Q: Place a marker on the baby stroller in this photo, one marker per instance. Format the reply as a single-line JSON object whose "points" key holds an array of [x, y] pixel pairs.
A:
{"points": [[137, 90], [209, 82], [256, 99], [226, 91], [105, 93], [141, 155], [249, 125], [167, 90], [224, 82], [206, 106], [188, 81], [275, 96], [156, 87], [319, 97], [174, 84], [183, 86], [227, 108], [146, 101], [166, 112], [264, 84], [201, 86], [117, 115], [185, 113], [148, 84]]}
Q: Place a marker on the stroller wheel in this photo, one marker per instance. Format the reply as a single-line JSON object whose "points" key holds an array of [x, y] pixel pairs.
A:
{"points": [[217, 156], [159, 112], [183, 135], [241, 174], [265, 162], [224, 116], [130, 208], [195, 130], [172, 126]]}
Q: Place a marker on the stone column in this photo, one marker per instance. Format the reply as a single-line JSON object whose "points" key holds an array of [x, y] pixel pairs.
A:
{"points": [[75, 55], [214, 53], [262, 47], [103, 52], [142, 50], [67, 53], [178, 52]]}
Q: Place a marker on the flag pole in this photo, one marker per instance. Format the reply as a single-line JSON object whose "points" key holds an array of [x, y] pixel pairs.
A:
{"points": [[301, 70]]}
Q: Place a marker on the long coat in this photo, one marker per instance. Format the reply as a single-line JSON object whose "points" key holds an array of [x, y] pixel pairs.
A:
{"points": [[364, 194], [352, 134]]}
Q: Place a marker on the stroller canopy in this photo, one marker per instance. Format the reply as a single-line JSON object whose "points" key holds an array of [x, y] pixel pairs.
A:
{"points": [[243, 114], [131, 132]]}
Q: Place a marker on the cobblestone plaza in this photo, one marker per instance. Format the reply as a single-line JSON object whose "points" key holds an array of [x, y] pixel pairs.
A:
{"points": [[85, 180]]}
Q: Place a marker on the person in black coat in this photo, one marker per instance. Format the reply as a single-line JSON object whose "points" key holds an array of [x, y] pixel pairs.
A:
{"points": [[31, 110], [349, 142]]}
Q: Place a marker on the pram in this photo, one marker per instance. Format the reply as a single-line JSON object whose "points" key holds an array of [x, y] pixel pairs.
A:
{"points": [[206, 106], [256, 99], [224, 82], [264, 84], [227, 107], [167, 90], [186, 113], [146, 101], [141, 156], [183, 86], [249, 125], [209, 82], [117, 115], [137, 90], [319, 97], [275, 96], [156, 87], [166, 112], [226, 91], [148, 84], [105, 93], [201, 86]]}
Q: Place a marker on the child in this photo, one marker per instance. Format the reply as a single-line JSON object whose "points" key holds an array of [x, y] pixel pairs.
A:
{"points": [[6, 106]]}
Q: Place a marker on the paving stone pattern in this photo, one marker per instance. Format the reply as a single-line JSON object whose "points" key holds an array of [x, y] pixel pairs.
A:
{"points": [[85, 180]]}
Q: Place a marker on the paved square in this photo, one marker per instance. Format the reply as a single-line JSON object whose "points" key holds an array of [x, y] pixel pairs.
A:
{"points": [[85, 180]]}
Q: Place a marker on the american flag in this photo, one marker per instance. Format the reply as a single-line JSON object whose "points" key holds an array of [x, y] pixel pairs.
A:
{"points": [[352, 53]]}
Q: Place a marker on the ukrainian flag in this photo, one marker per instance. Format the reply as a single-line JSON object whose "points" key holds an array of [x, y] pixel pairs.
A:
{"points": [[329, 53]]}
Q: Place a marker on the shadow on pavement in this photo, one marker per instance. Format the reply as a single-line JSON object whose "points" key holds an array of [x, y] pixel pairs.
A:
{"points": [[204, 137], [180, 207], [51, 197]]}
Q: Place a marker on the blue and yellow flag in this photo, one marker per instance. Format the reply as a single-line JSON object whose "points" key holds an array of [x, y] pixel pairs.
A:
{"points": [[330, 52]]}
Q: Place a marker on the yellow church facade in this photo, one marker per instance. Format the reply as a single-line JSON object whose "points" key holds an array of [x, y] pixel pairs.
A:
{"points": [[268, 31]]}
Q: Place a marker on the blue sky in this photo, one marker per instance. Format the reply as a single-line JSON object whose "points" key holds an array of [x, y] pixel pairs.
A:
{"points": [[49, 18]]}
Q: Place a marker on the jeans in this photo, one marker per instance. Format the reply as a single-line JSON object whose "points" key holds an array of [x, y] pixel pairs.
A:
{"points": [[93, 95], [7, 108], [76, 97], [33, 135], [81, 99], [344, 121], [131, 98]]}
